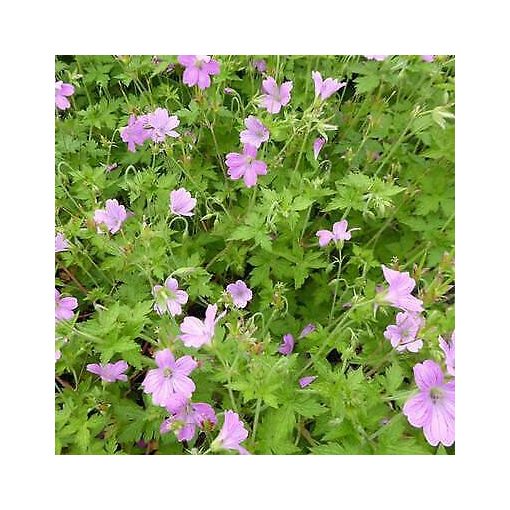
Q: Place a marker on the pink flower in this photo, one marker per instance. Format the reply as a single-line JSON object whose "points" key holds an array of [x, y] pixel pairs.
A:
{"points": [[275, 97], [182, 203], [402, 335], [112, 216], [376, 57], [399, 291], [428, 58], [198, 69], [245, 165], [169, 298], [110, 372], [326, 88], [309, 328], [195, 332], [61, 243], [169, 384], [433, 408], [62, 92], [229, 91], [58, 355], [287, 345], [190, 416], [339, 233], [240, 293], [64, 307], [256, 133], [135, 133], [449, 353], [317, 146], [307, 380], [161, 125], [260, 65], [231, 434]]}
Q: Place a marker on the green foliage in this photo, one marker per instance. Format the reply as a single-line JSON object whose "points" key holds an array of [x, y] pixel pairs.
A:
{"points": [[387, 167]]}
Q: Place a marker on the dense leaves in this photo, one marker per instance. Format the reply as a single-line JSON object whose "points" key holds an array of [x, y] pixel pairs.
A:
{"points": [[387, 167]]}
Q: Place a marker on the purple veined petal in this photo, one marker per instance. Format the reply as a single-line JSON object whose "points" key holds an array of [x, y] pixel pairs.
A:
{"points": [[325, 236], [317, 146], [94, 368], [309, 328], [307, 380], [212, 67], [428, 375], [165, 359], [185, 365], [190, 76], [171, 283], [285, 92], [204, 81], [269, 86], [183, 385], [418, 409], [187, 60]]}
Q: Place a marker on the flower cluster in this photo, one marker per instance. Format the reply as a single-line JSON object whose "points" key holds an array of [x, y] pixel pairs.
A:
{"points": [[433, 408], [246, 164], [156, 126]]}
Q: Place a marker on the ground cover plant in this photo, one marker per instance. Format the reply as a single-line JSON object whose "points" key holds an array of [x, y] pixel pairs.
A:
{"points": [[254, 254]]}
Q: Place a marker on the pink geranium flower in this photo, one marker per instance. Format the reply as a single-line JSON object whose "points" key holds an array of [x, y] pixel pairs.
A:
{"points": [[64, 307], [182, 203], [433, 408], [339, 233], [245, 165], [402, 335], [449, 353], [62, 92], [110, 372], [195, 333], [169, 297], [428, 58], [231, 434], [317, 146], [256, 133], [135, 133], [240, 293], [169, 384], [399, 291], [260, 65], [198, 69], [275, 97], [309, 328], [287, 345], [161, 125], [186, 419], [61, 243], [112, 216], [326, 88], [307, 380]]}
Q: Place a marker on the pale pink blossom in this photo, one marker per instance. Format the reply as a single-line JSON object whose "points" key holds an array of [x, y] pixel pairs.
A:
{"points": [[182, 203], [195, 333], [275, 96]]}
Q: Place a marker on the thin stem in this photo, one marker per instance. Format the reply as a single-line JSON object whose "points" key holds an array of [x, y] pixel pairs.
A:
{"points": [[331, 312], [256, 420]]}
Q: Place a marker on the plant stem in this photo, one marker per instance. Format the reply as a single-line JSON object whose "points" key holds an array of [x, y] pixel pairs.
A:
{"points": [[331, 312], [256, 419]]}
